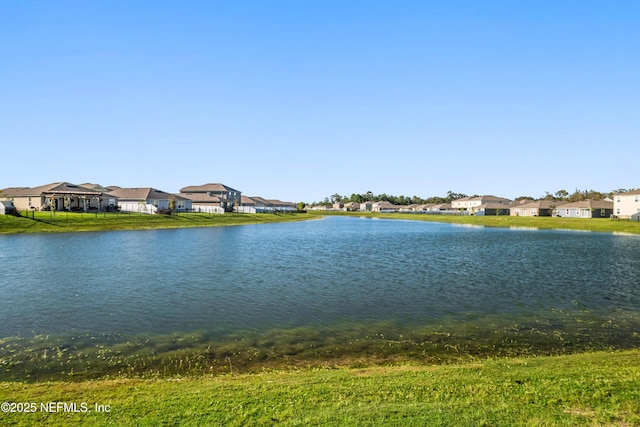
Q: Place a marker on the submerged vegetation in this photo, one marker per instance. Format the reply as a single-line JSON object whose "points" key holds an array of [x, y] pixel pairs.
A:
{"points": [[74, 358]]}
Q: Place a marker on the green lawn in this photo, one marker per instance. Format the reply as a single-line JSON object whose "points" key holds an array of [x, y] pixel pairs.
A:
{"points": [[48, 222], [589, 389]]}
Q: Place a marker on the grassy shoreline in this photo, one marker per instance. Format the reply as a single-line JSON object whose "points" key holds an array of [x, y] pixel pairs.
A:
{"points": [[543, 223], [467, 375], [63, 222], [599, 388]]}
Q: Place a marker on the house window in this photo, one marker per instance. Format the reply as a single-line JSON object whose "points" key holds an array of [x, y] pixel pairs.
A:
{"points": [[567, 211], [618, 211], [533, 212], [636, 199], [180, 204], [602, 212], [618, 199]]}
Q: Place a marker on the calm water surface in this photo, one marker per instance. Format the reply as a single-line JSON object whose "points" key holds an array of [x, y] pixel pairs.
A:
{"points": [[306, 273]]}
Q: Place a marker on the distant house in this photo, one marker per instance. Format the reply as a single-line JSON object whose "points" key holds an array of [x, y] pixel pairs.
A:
{"points": [[261, 204], [383, 207], [534, 208], [493, 209], [409, 208], [586, 209], [247, 205], [204, 202], [58, 196], [626, 205], [229, 197], [351, 206], [472, 203], [280, 206], [148, 200], [438, 207], [366, 206]]}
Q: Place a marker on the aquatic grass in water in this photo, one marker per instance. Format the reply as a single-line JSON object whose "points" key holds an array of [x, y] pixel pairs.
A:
{"points": [[84, 357]]}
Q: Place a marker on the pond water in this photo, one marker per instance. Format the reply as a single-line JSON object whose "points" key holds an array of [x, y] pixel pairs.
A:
{"points": [[316, 273]]}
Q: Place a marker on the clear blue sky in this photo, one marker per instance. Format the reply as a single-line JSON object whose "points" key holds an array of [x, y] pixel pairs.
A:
{"points": [[298, 100]]}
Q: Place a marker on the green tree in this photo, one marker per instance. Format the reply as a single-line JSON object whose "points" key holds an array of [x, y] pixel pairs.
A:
{"points": [[301, 206]]}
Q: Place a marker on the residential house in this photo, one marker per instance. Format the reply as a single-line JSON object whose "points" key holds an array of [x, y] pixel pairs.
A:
{"points": [[627, 205], [280, 206], [261, 204], [494, 209], [366, 206], [148, 200], [409, 208], [59, 196], [472, 203], [438, 208], [229, 197], [205, 203], [383, 206], [586, 209], [534, 207], [351, 206], [247, 205]]}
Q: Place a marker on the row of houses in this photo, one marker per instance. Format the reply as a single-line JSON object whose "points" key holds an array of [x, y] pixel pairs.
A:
{"points": [[207, 198], [624, 205]]}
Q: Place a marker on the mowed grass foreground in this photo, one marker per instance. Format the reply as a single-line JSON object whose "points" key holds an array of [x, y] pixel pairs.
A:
{"points": [[600, 388], [48, 222]]}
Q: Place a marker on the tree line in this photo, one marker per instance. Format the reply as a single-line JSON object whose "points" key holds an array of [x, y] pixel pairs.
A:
{"points": [[560, 195]]}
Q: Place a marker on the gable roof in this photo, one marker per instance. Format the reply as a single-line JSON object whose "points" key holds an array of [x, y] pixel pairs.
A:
{"points": [[207, 188], [201, 198], [53, 188], [589, 204], [629, 193], [144, 193], [539, 204]]}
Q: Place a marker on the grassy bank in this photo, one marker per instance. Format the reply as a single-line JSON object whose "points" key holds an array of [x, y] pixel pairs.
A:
{"points": [[587, 224], [48, 222], [582, 389]]}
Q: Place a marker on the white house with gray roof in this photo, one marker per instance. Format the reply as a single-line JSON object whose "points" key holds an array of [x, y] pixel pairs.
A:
{"points": [[229, 197], [148, 200]]}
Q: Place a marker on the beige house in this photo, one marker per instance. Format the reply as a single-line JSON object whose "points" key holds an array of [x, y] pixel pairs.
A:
{"points": [[627, 205], [383, 206], [148, 200], [58, 196], [229, 197], [204, 202], [535, 207]]}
